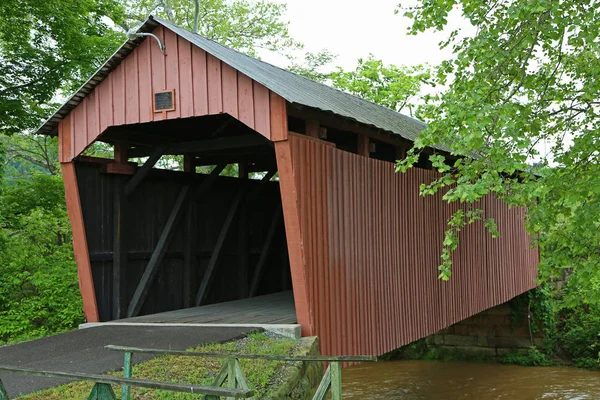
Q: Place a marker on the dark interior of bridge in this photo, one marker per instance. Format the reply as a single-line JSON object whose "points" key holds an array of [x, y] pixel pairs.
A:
{"points": [[205, 225]]}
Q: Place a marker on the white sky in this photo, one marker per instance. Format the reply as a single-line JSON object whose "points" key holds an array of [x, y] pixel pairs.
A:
{"points": [[353, 29]]}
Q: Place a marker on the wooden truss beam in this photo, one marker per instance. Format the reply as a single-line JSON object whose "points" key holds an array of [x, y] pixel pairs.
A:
{"points": [[119, 248], [264, 182], [214, 259], [208, 145], [159, 252], [145, 170], [264, 254]]}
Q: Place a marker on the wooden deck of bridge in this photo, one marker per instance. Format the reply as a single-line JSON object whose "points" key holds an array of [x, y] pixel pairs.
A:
{"points": [[277, 308]]}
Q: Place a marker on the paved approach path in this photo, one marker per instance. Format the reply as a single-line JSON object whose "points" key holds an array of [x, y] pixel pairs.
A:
{"points": [[83, 351]]}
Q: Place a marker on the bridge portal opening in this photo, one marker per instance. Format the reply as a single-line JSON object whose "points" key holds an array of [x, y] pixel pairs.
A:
{"points": [[185, 213]]}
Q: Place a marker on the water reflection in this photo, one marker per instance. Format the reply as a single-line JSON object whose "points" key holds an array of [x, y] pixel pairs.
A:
{"points": [[417, 380]]}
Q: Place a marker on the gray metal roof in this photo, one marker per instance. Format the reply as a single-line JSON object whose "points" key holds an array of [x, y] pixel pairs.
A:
{"points": [[294, 88]]}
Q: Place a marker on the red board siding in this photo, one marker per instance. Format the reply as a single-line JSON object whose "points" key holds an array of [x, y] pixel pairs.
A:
{"points": [[371, 248], [203, 85]]}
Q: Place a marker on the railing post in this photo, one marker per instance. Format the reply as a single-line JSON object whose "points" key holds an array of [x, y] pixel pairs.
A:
{"points": [[127, 373], [336, 380], [3, 394], [231, 375], [102, 391]]}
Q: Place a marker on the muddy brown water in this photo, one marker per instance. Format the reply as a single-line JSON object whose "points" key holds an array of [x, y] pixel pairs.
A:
{"points": [[416, 380]]}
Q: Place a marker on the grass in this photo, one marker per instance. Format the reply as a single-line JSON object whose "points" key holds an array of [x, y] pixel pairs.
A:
{"points": [[263, 376]]}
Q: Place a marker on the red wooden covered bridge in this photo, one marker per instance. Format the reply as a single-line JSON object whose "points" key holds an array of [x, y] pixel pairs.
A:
{"points": [[316, 207]]}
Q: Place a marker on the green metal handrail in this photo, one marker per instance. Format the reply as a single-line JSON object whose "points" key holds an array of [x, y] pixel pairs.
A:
{"points": [[232, 372], [102, 389]]}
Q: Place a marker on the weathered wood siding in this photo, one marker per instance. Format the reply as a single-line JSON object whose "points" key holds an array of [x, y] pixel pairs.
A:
{"points": [[145, 216], [367, 249], [203, 85]]}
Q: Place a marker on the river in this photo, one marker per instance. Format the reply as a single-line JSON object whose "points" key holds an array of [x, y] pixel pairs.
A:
{"points": [[416, 380]]}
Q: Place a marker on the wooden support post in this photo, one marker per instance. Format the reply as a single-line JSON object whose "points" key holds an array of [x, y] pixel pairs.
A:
{"points": [[312, 128], [119, 248], [243, 170], [127, 373], [102, 391], [189, 163], [189, 254], [243, 251], [3, 393], [336, 380], [363, 145], [264, 254], [400, 153], [120, 152], [322, 133], [161, 248], [144, 171], [120, 165], [139, 297], [289, 199], [80, 247], [214, 259], [242, 239]]}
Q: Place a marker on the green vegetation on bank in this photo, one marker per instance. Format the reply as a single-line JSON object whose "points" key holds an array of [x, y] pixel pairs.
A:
{"points": [[39, 292], [264, 377]]}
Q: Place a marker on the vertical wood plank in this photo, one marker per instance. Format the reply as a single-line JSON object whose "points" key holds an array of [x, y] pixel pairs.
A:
{"points": [[245, 100], [230, 95], [262, 111], [80, 247], [118, 94], [64, 136], [158, 68], [92, 115], [145, 80], [278, 111], [172, 70], [79, 129], [186, 84], [132, 90], [215, 94], [200, 83], [105, 103]]}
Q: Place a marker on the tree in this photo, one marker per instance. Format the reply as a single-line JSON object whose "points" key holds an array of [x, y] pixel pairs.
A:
{"points": [[520, 119], [313, 65], [46, 46], [389, 85], [240, 24]]}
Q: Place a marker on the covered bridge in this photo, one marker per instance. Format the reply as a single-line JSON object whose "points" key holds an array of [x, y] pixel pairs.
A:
{"points": [[316, 207]]}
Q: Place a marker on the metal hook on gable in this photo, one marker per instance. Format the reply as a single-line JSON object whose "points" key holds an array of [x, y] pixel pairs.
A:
{"points": [[131, 35]]}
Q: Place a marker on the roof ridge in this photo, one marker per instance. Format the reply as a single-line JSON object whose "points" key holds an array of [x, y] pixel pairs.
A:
{"points": [[166, 23]]}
